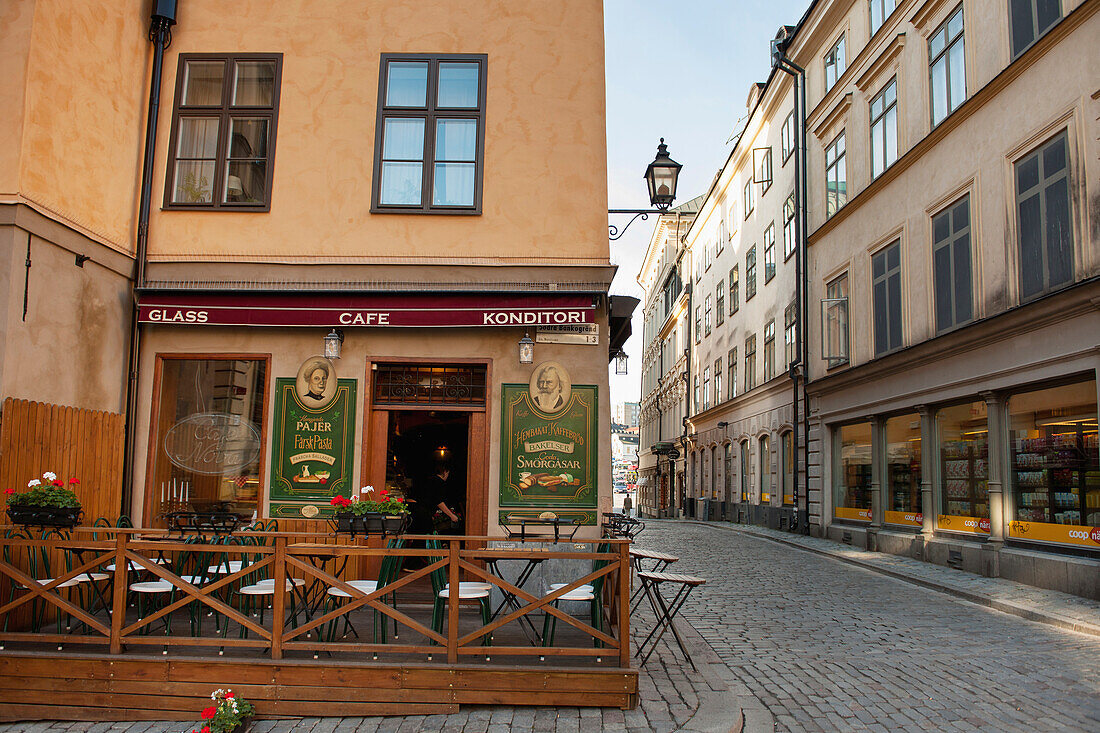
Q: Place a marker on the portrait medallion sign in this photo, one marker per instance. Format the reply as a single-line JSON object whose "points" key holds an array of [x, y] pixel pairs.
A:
{"points": [[313, 441], [548, 455]]}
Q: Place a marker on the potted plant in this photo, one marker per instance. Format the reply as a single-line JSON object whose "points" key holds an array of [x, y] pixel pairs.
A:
{"points": [[47, 502], [229, 714], [384, 514]]}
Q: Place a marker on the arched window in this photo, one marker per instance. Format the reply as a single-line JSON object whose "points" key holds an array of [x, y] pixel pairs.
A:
{"points": [[786, 445], [765, 470], [744, 470], [714, 472]]}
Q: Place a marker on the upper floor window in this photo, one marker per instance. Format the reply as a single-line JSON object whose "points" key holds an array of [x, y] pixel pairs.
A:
{"points": [[836, 176], [731, 377], [886, 295], [951, 265], [720, 303], [697, 401], [750, 362], [698, 323], [706, 388], [947, 66], [787, 137], [1030, 19], [734, 305], [789, 236], [223, 132], [789, 318], [769, 350], [765, 171], [671, 291], [835, 315], [769, 253], [747, 197], [430, 132], [880, 11], [717, 381], [750, 273], [834, 63], [1043, 218], [706, 315], [884, 128]]}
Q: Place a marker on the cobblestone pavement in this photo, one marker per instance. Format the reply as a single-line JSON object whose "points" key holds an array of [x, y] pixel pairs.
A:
{"points": [[826, 646]]}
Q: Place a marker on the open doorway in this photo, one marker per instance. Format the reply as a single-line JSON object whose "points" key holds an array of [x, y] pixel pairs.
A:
{"points": [[427, 454]]}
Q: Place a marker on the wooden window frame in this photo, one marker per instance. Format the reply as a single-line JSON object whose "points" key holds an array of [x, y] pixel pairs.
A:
{"points": [[720, 303], [769, 351], [152, 448], [769, 253], [1040, 189], [951, 242], [734, 290], [944, 53], [894, 341], [750, 273], [1037, 32], [225, 111], [429, 113]]}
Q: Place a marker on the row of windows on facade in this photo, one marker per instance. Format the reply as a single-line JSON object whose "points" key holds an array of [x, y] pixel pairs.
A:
{"points": [[765, 479], [709, 392], [1045, 255], [428, 146], [1029, 19]]}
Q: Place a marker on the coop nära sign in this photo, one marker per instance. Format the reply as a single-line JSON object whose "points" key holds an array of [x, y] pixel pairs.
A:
{"points": [[548, 459], [312, 449]]}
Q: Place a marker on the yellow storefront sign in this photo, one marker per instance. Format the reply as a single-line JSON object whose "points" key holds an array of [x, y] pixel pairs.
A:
{"points": [[905, 519], [765, 498], [788, 499], [856, 515], [955, 523], [1065, 534]]}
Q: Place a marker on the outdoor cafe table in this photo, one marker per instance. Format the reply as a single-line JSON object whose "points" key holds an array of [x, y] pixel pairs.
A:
{"points": [[660, 561], [510, 600], [665, 611], [319, 555]]}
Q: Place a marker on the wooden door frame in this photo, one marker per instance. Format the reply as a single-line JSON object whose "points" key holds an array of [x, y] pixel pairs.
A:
{"points": [[376, 434]]}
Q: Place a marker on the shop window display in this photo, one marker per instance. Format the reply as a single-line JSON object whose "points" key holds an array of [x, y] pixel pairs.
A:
{"points": [[852, 492], [209, 428], [1055, 472], [964, 468], [903, 471]]}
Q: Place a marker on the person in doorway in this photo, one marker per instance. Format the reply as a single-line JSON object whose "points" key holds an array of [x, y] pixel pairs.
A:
{"points": [[434, 500], [627, 505]]}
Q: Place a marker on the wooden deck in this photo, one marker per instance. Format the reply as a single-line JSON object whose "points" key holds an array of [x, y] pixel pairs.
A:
{"points": [[113, 665]]}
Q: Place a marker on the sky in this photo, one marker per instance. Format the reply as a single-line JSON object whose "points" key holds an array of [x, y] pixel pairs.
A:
{"points": [[680, 71]]}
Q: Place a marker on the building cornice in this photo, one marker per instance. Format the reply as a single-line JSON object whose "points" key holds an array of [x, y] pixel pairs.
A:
{"points": [[883, 61]]}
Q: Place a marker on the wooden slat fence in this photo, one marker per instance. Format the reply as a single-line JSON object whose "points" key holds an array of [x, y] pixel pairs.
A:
{"points": [[85, 444]]}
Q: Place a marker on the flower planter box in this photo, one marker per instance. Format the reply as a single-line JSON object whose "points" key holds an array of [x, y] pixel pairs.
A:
{"points": [[45, 516], [244, 725], [370, 523]]}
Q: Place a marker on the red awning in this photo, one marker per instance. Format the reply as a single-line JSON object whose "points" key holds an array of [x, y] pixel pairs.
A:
{"points": [[363, 309]]}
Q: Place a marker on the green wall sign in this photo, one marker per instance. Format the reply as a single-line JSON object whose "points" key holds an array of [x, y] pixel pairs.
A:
{"points": [[548, 459], [312, 450]]}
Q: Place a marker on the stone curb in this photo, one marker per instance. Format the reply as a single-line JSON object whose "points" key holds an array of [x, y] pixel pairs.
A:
{"points": [[719, 710], [1031, 614]]}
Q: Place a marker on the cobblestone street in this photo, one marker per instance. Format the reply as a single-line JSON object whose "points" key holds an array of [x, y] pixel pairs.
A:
{"points": [[827, 646]]}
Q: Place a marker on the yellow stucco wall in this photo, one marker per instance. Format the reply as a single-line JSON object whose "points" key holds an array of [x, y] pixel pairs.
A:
{"points": [[82, 123], [545, 151], [15, 40]]}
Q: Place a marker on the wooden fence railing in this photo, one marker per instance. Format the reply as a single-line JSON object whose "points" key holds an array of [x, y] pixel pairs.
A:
{"points": [[204, 577], [73, 443]]}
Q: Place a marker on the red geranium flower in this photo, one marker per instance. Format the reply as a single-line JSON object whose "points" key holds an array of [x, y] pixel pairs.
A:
{"points": [[229, 696], [58, 483], [208, 713], [205, 729], [74, 481], [9, 492]]}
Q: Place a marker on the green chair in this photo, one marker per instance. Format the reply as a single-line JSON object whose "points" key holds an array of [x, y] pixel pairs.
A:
{"points": [[467, 592], [591, 594], [387, 573]]}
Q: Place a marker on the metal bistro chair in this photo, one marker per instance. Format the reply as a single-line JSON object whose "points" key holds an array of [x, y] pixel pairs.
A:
{"points": [[260, 592], [590, 593], [38, 565], [467, 592], [390, 569], [90, 578]]}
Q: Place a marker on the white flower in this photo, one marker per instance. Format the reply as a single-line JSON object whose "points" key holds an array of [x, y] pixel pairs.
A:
{"points": [[33, 482], [50, 476], [366, 489], [354, 497]]}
